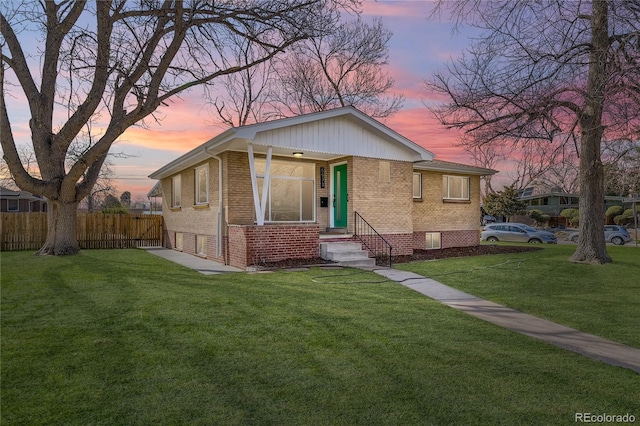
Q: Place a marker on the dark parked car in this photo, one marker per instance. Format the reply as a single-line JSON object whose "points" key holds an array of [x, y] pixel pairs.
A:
{"points": [[615, 234], [516, 232]]}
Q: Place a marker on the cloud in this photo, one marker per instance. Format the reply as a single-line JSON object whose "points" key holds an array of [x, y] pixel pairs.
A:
{"points": [[397, 8], [421, 127], [181, 126], [167, 139]]}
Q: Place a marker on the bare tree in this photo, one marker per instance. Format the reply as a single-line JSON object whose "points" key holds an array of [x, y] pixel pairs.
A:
{"points": [[488, 156], [245, 97], [561, 176], [534, 161], [103, 185], [124, 59], [340, 68], [542, 69], [621, 167], [29, 163], [343, 66]]}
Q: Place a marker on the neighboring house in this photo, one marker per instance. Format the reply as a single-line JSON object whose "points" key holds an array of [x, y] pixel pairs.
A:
{"points": [[154, 206], [553, 203], [21, 201], [274, 190]]}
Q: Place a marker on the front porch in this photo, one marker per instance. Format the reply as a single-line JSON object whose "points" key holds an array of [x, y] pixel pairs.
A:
{"points": [[251, 245]]}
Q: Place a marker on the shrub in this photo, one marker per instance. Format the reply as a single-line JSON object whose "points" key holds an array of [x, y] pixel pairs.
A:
{"points": [[115, 210], [539, 217], [572, 215], [506, 203], [626, 218], [614, 211]]}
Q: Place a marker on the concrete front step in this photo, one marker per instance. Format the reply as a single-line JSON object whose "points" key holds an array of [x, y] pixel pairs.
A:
{"points": [[360, 263], [346, 254]]}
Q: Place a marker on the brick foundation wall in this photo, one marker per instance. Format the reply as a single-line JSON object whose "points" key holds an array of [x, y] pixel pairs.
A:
{"points": [[402, 243], [250, 245], [189, 244], [461, 238], [449, 239]]}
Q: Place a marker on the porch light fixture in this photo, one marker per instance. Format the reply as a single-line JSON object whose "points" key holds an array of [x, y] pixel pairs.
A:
{"points": [[297, 154]]}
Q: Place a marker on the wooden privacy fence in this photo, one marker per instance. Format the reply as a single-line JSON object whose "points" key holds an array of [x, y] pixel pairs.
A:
{"points": [[28, 231]]}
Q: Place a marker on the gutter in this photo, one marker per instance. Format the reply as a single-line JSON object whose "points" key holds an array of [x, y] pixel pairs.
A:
{"points": [[220, 204]]}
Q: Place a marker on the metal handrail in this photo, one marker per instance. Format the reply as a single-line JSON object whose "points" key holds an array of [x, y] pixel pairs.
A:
{"points": [[372, 240]]}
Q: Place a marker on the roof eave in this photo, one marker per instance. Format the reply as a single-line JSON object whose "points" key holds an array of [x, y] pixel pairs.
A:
{"points": [[194, 156], [454, 168]]}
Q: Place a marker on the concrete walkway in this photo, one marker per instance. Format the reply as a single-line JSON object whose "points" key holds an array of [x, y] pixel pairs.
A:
{"points": [[568, 338], [204, 266]]}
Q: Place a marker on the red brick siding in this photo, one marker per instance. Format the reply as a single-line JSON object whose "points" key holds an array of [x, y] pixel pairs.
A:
{"points": [[251, 245]]}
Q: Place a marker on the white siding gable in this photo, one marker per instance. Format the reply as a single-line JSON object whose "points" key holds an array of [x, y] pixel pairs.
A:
{"points": [[337, 135]]}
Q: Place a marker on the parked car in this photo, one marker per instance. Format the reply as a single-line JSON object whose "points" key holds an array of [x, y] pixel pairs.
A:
{"points": [[615, 234], [516, 232]]}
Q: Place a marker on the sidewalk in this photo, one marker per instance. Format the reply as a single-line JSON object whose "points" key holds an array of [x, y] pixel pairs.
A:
{"points": [[204, 266], [585, 344]]}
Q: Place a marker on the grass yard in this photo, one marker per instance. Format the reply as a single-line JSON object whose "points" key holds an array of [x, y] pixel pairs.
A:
{"points": [[124, 337], [598, 299]]}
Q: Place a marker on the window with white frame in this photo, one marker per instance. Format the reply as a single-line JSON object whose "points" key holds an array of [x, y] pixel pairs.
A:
{"points": [[179, 241], [13, 205], [433, 240], [291, 190], [201, 245], [202, 184], [455, 187], [417, 185], [176, 191]]}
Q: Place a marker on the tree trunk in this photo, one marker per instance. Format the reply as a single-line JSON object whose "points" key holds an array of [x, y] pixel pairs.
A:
{"points": [[592, 247], [61, 231]]}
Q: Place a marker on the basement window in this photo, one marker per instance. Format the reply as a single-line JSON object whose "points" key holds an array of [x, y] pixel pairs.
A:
{"points": [[201, 245], [433, 240]]}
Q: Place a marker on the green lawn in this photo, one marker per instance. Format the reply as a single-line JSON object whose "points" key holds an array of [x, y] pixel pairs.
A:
{"points": [[123, 337], [598, 299]]}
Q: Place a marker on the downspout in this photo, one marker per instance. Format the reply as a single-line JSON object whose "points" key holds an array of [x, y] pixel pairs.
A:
{"points": [[220, 204]]}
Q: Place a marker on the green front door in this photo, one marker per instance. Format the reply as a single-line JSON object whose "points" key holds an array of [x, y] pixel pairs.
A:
{"points": [[340, 196]]}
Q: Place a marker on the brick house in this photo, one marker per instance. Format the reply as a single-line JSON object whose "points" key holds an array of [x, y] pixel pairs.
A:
{"points": [[272, 191]]}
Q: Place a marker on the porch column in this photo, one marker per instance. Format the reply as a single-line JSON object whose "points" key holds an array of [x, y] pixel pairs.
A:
{"points": [[260, 205]]}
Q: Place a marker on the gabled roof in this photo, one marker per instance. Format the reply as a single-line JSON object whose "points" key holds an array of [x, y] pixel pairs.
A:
{"points": [[449, 167], [156, 191], [22, 195], [322, 135], [548, 194], [6, 192]]}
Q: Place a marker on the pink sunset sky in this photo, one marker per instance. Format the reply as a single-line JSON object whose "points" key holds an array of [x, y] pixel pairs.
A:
{"points": [[419, 47]]}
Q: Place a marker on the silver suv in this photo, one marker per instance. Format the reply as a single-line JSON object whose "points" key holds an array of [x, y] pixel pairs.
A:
{"points": [[615, 234], [516, 232]]}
